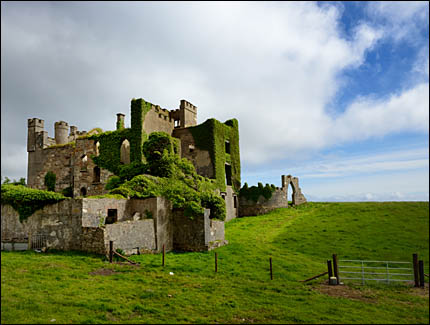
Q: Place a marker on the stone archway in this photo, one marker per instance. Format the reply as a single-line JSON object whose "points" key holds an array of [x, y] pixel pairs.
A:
{"points": [[297, 197], [125, 152]]}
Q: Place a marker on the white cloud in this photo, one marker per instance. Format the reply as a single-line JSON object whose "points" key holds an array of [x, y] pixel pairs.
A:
{"points": [[369, 117], [401, 20], [274, 66]]}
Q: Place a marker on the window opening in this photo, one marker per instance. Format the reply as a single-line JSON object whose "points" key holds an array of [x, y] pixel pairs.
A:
{"points": [[227, 147], [112, 216], [228, 174], [96, 174], [83, 192], [125, 152]]}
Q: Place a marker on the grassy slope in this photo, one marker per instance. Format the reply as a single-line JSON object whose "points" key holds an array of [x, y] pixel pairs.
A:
{"points": [[39, 287]]}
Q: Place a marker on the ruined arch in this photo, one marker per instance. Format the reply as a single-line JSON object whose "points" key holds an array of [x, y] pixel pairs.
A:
{"points": [[125, 152], [297, 196]]}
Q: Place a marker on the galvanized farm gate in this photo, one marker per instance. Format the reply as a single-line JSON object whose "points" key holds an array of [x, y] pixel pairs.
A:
{"points": [[385, 271]]}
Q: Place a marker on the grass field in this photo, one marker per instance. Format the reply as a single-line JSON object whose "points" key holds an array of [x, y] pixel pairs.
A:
{"points": [[72, 287]]}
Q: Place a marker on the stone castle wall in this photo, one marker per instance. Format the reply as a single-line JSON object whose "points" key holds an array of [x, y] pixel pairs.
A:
{"points": [[147, 224], [262, 206], [200, 158], [59, 223]]}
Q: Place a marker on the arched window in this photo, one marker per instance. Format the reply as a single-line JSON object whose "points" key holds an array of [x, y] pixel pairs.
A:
{"points": [[96, 175], [84, 162], [125, 152], [97, 148], [83, 192]]}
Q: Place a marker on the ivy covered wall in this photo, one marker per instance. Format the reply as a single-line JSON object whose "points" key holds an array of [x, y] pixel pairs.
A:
{"points": [[212, 136]]}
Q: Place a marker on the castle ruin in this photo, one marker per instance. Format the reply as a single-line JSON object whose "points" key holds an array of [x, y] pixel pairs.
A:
{"points": [[83, 161]]}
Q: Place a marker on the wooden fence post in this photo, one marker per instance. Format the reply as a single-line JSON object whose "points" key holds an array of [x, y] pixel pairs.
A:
{"points": [[330, 270], [336, 268], [421, 271], [110, 251], [164, 251], [271, 273], [216, 262], [416, 272]]}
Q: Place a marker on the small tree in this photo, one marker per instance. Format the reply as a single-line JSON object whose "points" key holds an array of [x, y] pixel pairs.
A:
{"points": [[50, 179]]}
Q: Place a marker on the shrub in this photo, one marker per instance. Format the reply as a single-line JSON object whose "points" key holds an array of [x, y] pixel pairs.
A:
{"points": [[254, 192], [50, 179], [67, 192], [113, 182], [215, 203], [27, 200]]}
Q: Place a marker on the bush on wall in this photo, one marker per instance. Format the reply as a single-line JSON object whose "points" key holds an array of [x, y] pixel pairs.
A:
{"points": [[27, 200], [50, 179]]}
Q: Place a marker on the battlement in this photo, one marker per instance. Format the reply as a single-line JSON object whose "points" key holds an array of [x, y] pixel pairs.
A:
{"points": [[187, 105], [35, 122], [61, 124]]}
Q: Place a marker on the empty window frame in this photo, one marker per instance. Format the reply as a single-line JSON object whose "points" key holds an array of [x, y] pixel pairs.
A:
{"points": [[227, 147], [112, 216], [96, 175], [228, 174]]}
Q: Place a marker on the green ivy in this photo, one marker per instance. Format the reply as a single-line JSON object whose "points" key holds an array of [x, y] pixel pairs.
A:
{"points": [[173, 178], [50, 179], [27, 200], [211, 136], [139, 108], [67, 192], [254, 192], [110, 149], [111, 141]]}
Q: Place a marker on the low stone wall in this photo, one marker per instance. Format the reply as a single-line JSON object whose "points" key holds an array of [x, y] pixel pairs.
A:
{"points": [[190, 234], [216, 234], [95, 211], [93, 240], [262, 206], [129, 235], [59, 224]]}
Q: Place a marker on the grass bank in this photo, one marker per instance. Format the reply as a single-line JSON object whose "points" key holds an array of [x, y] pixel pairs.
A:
{"points": [[73, 287]]}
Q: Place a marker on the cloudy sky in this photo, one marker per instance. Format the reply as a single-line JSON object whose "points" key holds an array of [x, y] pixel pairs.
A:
{"points": [[334, 93]]}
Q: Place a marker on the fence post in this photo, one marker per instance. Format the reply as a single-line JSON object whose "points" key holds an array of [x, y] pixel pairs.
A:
{"points": [[330, 270], [421, 269], [388, 275], [29, 240], [216, 262], [110, 251], [271, 273], [416, 272], [164, 251], [336, 268]]}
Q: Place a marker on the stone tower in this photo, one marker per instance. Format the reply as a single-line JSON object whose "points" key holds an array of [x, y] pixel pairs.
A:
{"points": [[61, 132], [187, 114], [36, 141]]}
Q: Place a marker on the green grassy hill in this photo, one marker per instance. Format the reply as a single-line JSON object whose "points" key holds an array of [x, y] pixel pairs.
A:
{"points": [[72, 287]]}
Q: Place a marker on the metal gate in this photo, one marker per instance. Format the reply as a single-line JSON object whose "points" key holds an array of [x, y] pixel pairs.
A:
{"points": [[37, 241], [384, 271]]}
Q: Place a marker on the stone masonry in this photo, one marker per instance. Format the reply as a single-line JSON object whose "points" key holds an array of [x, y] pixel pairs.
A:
{"points": [[137, 224], [279, 199]]}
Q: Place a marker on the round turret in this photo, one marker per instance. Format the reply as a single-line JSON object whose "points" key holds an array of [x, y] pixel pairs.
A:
{"points": [[61, 132]]}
